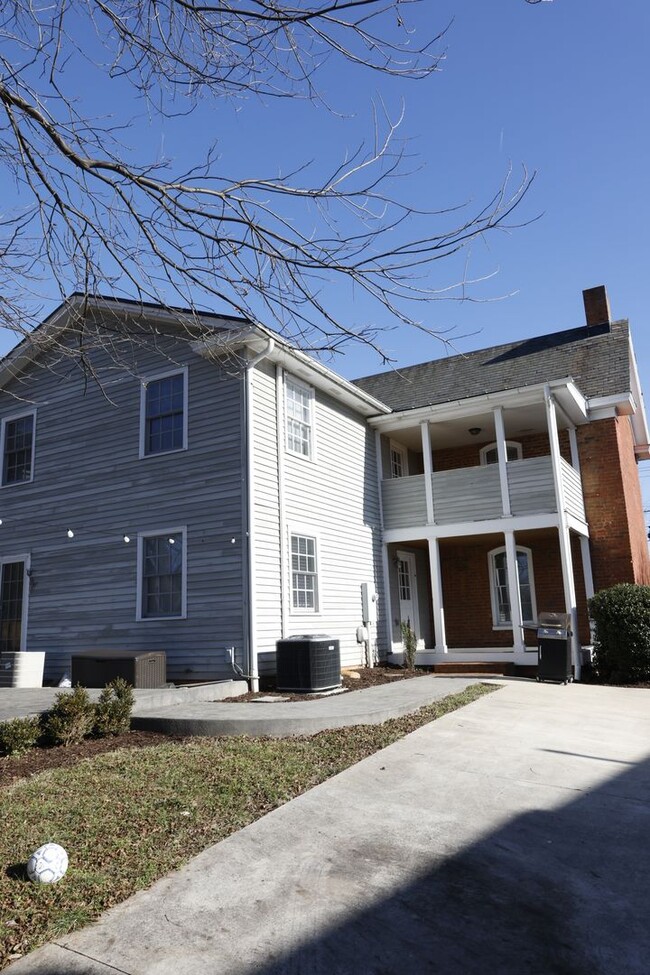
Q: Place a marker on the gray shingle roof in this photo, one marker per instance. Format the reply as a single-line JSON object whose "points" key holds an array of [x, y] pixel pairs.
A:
{"points": [[597, 359]]}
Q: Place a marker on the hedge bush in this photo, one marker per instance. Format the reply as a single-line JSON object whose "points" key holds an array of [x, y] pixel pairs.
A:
{"points": [[70, 719], [19, 735], [113, 710], [622, 639]]}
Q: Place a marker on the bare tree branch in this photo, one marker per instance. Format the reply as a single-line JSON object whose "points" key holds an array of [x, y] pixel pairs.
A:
{"points": [[268, 248]]}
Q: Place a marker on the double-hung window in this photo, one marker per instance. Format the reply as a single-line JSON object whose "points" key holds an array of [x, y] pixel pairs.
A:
{"points": [[501, 611], [299, 402], [304, 573], [162, 574], [164, 414], [18, 449], [398, 461]]}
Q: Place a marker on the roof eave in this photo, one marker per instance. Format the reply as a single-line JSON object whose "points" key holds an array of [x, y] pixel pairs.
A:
{"points": [[569, 396]]}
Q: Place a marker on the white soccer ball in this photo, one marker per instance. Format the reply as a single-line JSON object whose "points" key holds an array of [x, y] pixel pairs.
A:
{"points": [[47, 864]]}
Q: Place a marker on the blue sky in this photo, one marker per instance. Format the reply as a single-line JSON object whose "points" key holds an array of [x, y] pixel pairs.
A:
{"points": [[559, 87]]}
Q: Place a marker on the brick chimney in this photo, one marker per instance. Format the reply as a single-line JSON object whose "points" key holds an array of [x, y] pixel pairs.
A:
{"points": [[597, 306]]}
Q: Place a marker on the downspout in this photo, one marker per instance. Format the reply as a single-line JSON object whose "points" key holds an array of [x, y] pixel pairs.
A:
{"points": [[253, 674], [282, 520]]}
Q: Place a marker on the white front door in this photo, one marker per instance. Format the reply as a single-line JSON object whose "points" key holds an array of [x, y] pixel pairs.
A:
{"points": [[408, 596]]}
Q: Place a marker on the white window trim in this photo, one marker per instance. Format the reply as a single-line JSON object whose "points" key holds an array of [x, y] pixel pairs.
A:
{"points": [[143, 406], [27, 570], [496, 625], [493, 446], [305, 532], [400, 449], [290, 380], [140, 559], [5, 421]]}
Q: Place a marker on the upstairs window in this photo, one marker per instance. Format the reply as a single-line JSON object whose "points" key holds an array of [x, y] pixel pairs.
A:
{"points": [[490, 453], [501, 611], [18, 449], [304, 573], [299, 401], [161, 575], [398, 461], [164, 414]]}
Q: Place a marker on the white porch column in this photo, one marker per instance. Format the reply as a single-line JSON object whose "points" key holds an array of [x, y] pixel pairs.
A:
{"points": [[518, 644], [384, 548], [563, 530], [428, 470], [436, 594], [502, 451]]}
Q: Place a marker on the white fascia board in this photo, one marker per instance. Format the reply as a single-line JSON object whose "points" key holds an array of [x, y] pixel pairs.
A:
{"points": [[572, 401], [45, 334], [639, 419], [468, 528], [298, 363], [603, 407], [41, 338]]}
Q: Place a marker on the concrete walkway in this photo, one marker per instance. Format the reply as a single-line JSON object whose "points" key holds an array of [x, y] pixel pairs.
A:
{"points": [[199, 710], [21, 702], [507, 838]]}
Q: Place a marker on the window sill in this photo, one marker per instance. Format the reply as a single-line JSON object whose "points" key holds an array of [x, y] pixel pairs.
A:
{"points": [[159, 619], [162, 453]]}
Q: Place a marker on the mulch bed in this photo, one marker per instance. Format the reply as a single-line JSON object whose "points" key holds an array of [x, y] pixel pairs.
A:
{"points": [[368, 677]]}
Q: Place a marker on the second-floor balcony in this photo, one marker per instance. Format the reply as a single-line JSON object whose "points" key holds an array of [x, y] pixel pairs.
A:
{"points": [[471, 494]]}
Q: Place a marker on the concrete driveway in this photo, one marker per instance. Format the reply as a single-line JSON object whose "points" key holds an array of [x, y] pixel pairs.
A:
{"points": [[508, 838]]}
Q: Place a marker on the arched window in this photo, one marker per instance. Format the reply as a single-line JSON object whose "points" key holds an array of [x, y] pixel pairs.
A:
{"points": [[490, 454], [501, 614]]}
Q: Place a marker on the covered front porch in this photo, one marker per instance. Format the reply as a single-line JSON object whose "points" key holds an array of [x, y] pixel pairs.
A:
{"points": [[485, 525]]}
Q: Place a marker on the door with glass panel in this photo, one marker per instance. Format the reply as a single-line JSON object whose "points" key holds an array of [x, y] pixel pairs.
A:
{"points": [[12, 606], [408, 597]]}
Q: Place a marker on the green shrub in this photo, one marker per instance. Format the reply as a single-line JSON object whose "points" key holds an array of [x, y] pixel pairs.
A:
{"points": [[622, 641], [70, 719], [410, 645], [19, 735], [113, 710]]}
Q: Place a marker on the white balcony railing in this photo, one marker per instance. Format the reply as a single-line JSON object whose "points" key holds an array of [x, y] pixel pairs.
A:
{"points": [[474, 494]]}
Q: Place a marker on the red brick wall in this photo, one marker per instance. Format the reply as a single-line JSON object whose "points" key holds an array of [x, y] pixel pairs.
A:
{"points": [[613, 503], [536, 445], [466, 587]]}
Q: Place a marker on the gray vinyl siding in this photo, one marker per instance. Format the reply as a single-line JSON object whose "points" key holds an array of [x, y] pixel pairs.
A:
{"points": [[88, 478], [333, 496]]}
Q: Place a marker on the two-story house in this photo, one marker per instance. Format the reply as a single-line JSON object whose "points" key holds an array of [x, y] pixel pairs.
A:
{"points": [[204, 488]]}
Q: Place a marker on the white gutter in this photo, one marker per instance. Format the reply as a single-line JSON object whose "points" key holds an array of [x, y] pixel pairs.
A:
{"points": [[574, 403], [253, 672], [282, 517], [297, 363]]}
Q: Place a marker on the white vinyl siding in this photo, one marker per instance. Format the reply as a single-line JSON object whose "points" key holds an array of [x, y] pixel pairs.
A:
{"points": [[333, 499], [298, 400]]}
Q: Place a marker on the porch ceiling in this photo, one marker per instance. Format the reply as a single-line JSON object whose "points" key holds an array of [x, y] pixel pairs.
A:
{"points": [[520, 422]]}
